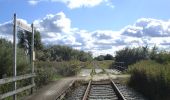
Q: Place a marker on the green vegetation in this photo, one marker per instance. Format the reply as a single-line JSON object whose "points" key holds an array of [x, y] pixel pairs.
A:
{"points": [[6, 69], [52, 63], [6, 60], [104, 64], [48, 71], [62, 53], [149, 69], [104, 57], [24, 40], [151, 79], [131, 55]]}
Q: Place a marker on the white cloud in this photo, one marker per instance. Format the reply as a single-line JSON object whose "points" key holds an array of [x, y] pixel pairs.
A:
{"points": [[33, 2], [72, 4], [54, 23], [109, 3], [57, 29], [148, 27], [80, 3], [6, 29]]}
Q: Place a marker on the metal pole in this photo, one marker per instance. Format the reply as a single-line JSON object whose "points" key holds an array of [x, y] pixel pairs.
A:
{"points": [[32, 55], [14, 54]]}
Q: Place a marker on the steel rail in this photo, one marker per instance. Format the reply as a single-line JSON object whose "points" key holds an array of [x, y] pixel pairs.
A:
{"points": [[59, 97], [87, 91], [117, 91]]}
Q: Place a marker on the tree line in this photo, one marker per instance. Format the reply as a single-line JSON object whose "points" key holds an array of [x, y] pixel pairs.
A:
{"points": [[51, 52], [104, 57], [132, 55]]}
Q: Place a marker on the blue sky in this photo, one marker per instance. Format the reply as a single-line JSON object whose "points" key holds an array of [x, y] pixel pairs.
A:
{"points": [[99, 17], [77, 19]]}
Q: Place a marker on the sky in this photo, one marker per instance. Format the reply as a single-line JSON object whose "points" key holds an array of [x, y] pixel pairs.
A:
{"points": [[98, 26]]}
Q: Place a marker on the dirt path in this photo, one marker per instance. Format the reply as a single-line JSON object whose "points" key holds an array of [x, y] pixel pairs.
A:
{"points": [[50, 91]]}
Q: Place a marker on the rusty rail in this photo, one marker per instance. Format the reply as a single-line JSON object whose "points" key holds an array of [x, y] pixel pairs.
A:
{"points": [[87, 91], [62, 94], [117, 91]]}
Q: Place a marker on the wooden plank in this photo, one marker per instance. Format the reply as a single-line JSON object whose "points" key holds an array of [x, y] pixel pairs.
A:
{"points": [[2, 96], [24, 26], [12, 79]]}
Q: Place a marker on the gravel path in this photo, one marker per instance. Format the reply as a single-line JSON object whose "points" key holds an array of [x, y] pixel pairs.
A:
{"points": [[85, 72], [102, 92], [129, 93], [50, 91], [78, 93]]}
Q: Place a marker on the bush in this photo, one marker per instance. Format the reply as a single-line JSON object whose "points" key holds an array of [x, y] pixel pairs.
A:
{"points": [[47, 71], [162, 57], [44, 75], [131, 55], [6, 65], [68, 68], [151, 79]]}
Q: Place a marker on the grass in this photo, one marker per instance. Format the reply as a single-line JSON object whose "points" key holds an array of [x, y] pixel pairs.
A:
{"points": [[105, 64], [151, 79]]}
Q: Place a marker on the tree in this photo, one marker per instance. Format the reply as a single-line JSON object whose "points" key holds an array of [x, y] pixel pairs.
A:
{"points": [[132, 55], [108, 57], [153, 52], [66, 53], [99, 58], [6, 60], [25, 37]]}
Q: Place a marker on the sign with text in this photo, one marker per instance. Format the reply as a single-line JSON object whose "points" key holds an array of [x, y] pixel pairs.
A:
{"points": [[24, 26]]}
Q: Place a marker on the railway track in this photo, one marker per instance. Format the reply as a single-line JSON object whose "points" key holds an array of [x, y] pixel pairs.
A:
{"points": [[102, 90], [97, 90]]}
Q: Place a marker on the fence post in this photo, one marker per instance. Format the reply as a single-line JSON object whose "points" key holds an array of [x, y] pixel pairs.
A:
{"points": [[14, 54], [32, 56]]}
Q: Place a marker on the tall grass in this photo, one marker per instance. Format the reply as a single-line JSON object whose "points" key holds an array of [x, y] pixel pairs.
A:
{"points": [[151, 79], [104, 64]]}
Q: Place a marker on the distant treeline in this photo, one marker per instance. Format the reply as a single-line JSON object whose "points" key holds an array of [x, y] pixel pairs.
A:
{"points": [[133, 55], [104, 57], [51, 52], [62, 53]]}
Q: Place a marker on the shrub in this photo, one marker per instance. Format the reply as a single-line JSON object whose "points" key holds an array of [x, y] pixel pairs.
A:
{"points": [[47, 71], [6, 65], [131, 55], [151, 79], [68, 68], [44, 75]]}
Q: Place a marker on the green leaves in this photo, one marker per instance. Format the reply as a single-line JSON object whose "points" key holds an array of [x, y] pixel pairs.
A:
{"points": [[63, 53], [151, 78], [131, 55]]}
